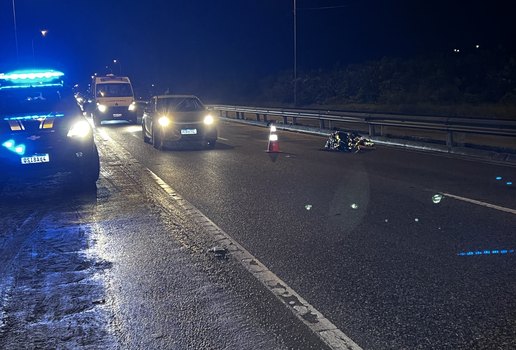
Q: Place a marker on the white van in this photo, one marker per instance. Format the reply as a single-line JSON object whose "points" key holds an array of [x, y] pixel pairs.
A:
{"points": [[114, 99]]}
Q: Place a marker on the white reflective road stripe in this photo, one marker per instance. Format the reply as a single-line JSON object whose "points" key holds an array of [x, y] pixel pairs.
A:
{"points": [[310, 316], [484, 204]]}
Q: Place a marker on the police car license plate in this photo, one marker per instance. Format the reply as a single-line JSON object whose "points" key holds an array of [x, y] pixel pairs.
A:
{"points": [[117, 115], [39, 158], [188, 131]]}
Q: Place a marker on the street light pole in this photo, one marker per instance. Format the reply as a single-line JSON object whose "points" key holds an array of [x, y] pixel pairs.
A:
{"points": [[295, 54], [15, 32]]}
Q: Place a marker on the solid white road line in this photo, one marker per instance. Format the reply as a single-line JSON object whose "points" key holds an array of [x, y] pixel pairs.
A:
{"points": [[483, 204], [309, 315]]}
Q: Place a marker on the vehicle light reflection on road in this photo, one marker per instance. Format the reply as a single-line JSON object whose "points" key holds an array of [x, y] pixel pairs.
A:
{"points": [[487, 252], [508, 182]]}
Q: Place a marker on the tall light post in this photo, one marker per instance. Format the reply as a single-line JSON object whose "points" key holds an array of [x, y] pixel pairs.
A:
{"points": [[15, 32], [295, 54]]}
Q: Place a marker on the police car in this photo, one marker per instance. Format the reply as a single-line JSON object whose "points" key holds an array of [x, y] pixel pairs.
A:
{"points": [[42, 129]]}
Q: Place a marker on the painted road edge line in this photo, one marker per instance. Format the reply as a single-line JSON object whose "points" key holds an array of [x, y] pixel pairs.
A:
{"points": [[483, 204], [309, 315]]}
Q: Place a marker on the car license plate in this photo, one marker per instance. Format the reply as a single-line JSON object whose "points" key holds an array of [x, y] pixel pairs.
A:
{"points": [[117, 115], [39, 158], [188, 131]]}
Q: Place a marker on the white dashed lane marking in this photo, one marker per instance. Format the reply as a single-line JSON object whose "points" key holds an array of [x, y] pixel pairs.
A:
{"points": [[483, 204]]}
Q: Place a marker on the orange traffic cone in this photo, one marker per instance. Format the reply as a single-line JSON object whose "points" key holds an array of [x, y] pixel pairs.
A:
{"points": [[273, 146]]}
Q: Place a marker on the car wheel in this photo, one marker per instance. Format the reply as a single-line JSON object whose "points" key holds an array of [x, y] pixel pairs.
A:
{"points": [[157, 140], [89, 172], [146, 139], [96, 121]]}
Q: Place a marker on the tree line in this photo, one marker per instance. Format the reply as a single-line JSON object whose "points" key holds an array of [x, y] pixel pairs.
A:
{"points": [[474, 79]]}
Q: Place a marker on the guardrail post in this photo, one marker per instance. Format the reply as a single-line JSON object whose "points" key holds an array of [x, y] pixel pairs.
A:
{"points": [[294, 120], [257, 117], [449, 139], [321, 123], [227, 114], [221, 113], [285, 120], [371, 130], [330, 124], [265, 118]]}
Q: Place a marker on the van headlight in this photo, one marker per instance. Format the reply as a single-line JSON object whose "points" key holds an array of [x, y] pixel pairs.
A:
{"points": [[132, 106], [102, 108], [164, 121], [208, 120], [80, 129]]}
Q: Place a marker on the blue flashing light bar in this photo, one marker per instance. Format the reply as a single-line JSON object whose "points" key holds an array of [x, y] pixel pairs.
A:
{"points": [[13, 147], [34, 117], [31, 75]]}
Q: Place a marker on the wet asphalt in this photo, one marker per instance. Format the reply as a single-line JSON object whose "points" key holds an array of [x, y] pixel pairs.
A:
{"points": [[375, 241], [125, 268], [369, 239]]}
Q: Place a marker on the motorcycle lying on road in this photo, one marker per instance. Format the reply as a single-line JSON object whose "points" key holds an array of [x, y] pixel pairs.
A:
{"points": [[347, 141]]}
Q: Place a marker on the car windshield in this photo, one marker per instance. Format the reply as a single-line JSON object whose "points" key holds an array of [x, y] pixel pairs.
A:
{"points": [[180, 104], [35, 100], [114, 90]]}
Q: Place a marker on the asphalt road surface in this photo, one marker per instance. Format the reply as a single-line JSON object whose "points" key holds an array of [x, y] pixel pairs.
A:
{"points": [[397, 249]]}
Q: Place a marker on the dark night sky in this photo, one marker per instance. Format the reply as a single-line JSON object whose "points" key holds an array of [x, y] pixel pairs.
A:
{"points": [[188, 44]]}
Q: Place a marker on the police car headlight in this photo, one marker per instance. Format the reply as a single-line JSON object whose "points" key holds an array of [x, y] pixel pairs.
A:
{"points": [[164, 121], [102, 108], [13, 147], [132, 106], [80, 129], [208, 120]]}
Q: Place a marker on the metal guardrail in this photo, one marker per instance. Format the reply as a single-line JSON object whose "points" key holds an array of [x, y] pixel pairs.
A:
{"points": [[376, 121]]}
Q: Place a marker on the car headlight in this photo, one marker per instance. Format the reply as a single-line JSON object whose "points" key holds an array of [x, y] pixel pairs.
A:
{"points": [[80, 129], [208, 120], [132, 106], [13, 147], [164, 121], [102, 108]]}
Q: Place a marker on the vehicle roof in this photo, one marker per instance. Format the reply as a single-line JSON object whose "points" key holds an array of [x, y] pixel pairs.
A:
{"points": [[111, 79], [176, 96]]}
